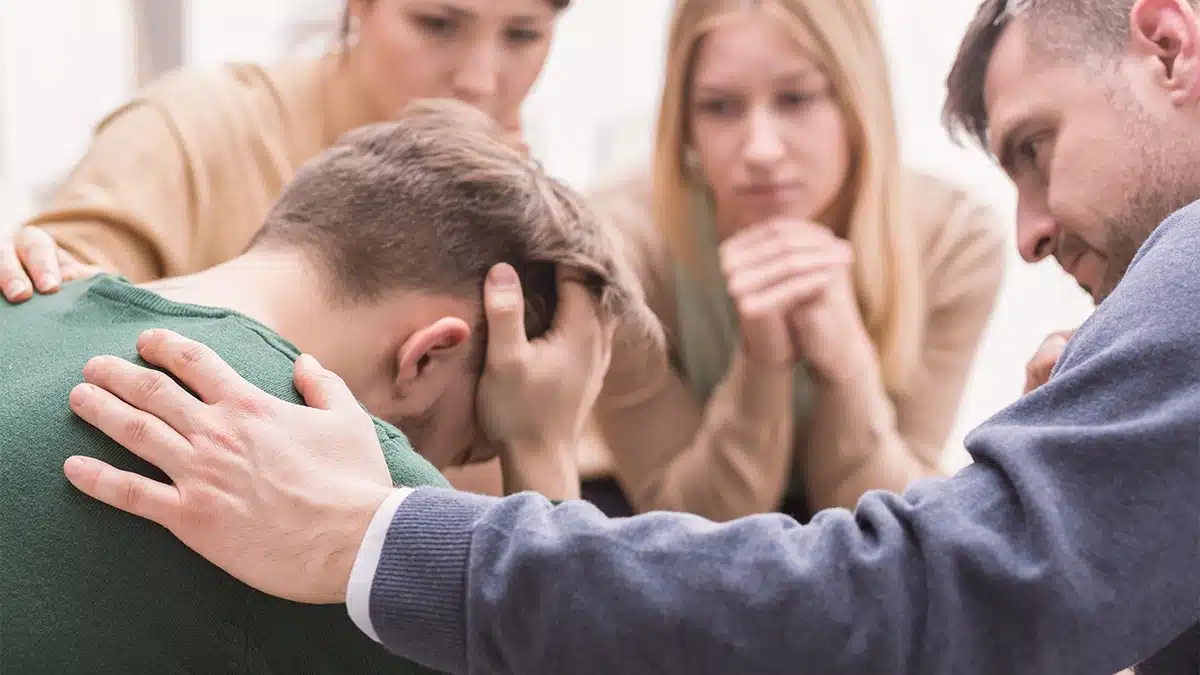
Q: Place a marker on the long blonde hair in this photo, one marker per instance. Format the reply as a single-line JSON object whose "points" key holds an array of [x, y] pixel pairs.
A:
{"points": [[842, 37]]}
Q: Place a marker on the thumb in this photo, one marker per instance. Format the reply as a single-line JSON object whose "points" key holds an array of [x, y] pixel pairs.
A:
{"points": [[504, 307], [1052, 348], [321, 388]]}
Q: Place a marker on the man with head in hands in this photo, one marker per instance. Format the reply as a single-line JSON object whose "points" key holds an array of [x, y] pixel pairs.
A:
{"points": [[374, 262]]}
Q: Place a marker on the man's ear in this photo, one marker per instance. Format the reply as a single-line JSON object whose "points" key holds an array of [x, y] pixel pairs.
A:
{"points": [[1167, 31], [430, 348]]}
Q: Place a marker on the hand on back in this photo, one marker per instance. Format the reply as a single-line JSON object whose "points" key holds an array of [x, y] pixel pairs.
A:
{"points": [[30, 260], [276, 494]]}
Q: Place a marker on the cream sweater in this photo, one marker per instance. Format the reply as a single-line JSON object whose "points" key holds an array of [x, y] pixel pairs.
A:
{"points": [[180, 178]]}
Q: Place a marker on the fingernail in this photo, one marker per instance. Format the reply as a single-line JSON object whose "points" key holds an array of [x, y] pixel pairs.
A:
{"points": [[74, 466], [79, 394], [14, 288], [144, 339], [48, 281], [312, 361], [503, 275]]}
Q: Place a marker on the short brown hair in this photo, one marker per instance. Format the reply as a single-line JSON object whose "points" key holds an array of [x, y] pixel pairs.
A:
{"points": [[1097, 29], [431, 202]]}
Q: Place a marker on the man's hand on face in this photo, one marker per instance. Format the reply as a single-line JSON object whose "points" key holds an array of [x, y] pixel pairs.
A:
{"points": [[1037, 371], [535, 396], [278, 495]]}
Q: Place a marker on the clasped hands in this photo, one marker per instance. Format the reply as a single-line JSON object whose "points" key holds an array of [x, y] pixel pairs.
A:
{"points": [[792, 284], [280, 495]]}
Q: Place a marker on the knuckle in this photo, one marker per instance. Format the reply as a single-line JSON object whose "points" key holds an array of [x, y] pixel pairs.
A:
{"points": [[137, 431], [35, 242], [20, 238], [129, 496], [251, 406], [193, 354], [223, 439], [510, 367], [514, 364], [329, 376], [150, 384]]}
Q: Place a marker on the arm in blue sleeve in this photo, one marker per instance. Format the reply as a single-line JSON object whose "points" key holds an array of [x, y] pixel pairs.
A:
{"points": [[1070, 546]]}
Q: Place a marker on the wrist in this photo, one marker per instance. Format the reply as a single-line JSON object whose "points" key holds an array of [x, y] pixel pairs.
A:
{"points": [[548, 468], [856, 362], [760, 394], [341, 542]]}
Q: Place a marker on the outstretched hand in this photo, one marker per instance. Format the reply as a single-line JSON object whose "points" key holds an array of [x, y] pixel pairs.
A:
{"points": [[276, 494]]}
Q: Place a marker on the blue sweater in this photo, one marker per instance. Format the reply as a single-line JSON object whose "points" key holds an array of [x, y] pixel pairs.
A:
{"points": [[1070, 546]]}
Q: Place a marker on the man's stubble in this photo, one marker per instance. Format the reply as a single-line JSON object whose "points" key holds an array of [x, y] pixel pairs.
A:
{"points": [[1161, 177]]}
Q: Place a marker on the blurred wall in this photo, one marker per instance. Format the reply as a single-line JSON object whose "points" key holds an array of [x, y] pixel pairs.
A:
{"points": [[590, 116]]}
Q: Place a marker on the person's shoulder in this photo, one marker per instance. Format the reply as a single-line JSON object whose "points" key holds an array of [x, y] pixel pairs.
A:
{"points": [[629, 189], [221, 99], [954, 226], [1169, 253], [407, 466], [944, 210], [237, 79], [624, 204]]}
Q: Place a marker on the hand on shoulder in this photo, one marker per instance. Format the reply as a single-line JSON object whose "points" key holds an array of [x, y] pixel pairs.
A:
{"points": [[30, 260]]}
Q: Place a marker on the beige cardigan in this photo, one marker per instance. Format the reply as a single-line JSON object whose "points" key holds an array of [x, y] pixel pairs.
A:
{"points": [[181, 178], [733, 456]]}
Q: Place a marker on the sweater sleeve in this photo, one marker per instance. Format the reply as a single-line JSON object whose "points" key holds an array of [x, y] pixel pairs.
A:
{"points": [[179, 178], [1069, 546], [128, 205], [723, 459], [863, 438]]}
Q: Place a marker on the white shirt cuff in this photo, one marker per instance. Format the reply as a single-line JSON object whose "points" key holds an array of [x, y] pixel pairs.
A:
{"points": [[362, 575]]}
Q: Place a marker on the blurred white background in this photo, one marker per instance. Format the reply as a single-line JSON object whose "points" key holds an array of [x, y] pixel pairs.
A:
{"points": [[65, 63]]}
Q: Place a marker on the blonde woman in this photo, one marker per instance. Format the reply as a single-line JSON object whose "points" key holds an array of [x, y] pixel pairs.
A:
{"points": [[822, 302]]}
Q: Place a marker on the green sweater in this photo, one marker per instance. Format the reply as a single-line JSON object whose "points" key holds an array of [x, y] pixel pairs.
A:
{"points": [[88, 589]]}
